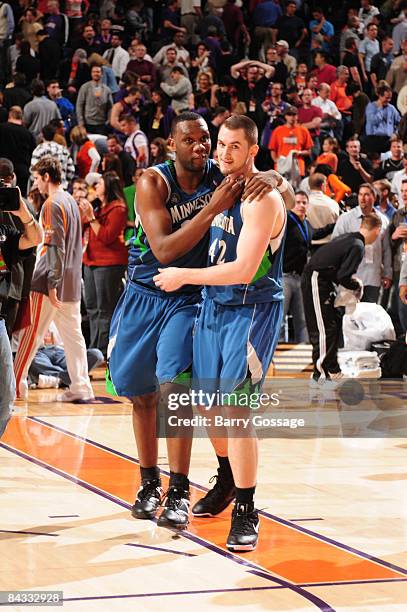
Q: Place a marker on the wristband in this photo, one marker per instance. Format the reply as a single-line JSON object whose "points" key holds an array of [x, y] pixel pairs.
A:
{"points": [[283, 186]]}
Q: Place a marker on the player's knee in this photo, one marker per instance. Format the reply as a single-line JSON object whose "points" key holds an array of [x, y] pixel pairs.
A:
{"points": [[145, 402]]}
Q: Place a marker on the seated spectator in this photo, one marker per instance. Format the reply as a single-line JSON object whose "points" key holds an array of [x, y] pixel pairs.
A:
{"points": [[354, 169], [204, 97], [105, 256], [271, 58], [169, 64], [291, 137], [382, 120], [136, 144], [49, 147], [88, 41], [338, 92], [112, 163], [393, 161], [179, 90], [328, 155], [331, 117], [398, 178], [183, 56], [87, 158], [159, 152], [322, 210], [290, 61], [383, 188]]}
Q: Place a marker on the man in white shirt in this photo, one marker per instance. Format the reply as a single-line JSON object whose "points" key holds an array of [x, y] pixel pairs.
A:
{"points": [[117, 57], [330, 113], [376, 267], [321, 210], [182, 54], [398, 178], [136, 144]]}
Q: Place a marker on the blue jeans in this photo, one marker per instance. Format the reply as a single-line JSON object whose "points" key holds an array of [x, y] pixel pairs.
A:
{"points": [[7, 380]]}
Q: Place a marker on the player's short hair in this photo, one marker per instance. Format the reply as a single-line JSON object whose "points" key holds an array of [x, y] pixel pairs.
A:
{"points": [[371, 221], [185, 116], [241, 122], [49, 165]]}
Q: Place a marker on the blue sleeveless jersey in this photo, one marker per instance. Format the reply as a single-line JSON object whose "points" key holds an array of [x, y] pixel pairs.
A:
{"points": [[267, 283], [143, 265]]}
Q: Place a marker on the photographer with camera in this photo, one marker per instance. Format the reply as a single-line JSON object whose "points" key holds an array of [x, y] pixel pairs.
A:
{"points": [[14, 245]]}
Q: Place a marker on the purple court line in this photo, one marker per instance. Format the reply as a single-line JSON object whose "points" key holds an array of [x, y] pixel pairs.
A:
{"points": [[54, 535], [287, 523], [350, 582], [167, 550], [305, 519], [319, 603], [63, 516]]}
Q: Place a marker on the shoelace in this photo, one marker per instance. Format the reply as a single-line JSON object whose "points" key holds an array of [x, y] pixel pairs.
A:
{"points": [[151, 487], [218, 490], [242, 522], [173, 496]]}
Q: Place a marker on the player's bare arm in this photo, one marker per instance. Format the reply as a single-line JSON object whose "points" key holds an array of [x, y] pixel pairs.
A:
{"points": [[166, 244], [259, 184], [263, 219]]}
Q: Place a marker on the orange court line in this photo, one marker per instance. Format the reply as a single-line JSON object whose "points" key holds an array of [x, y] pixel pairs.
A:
{"points": [[282, 550]]}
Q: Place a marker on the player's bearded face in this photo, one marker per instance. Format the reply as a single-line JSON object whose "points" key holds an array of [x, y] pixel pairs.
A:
{"points": [[233, 155]]}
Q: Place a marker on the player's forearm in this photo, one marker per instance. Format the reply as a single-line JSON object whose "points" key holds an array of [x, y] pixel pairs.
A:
{"points": [[232, 273]]}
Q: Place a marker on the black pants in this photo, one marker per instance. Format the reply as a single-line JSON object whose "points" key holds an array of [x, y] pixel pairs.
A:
{"points": [[324, 322]]}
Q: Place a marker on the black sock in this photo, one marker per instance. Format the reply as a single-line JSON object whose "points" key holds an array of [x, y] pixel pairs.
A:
{"points": [[150, 473], [179, 480], [245, 496], [225, 471]]}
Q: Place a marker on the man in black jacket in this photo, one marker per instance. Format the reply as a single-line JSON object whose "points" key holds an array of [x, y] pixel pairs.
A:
{"points": [[333, 264]]}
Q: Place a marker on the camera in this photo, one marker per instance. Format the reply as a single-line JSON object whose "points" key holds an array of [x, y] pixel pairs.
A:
{"points": [[9, 197]]}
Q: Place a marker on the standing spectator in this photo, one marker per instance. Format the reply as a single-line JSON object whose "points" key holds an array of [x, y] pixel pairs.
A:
{"points": [[50, 148], [49, 52], [397, 75], [251, 88], [219, 115], [56, 24], [145, 69], [171, 21], [339, 95], [290, 61], [383, 188], [179, 90], [87, 157], [322, 210], [40, 111], [265, 16], [351, 30], [310, 117], [79, 71], [160, 117], [398, 178], [65, 106], [398, 241], [178, 44], [88, 41], [291, 28], [367, 12], [117, 57], [368, 47], [30, 25], [136, 144], [75, 13], [17, 144], [236, 30], [94, 103], [105, 256], [191, 15], [18, 94], [291, 137], [353, 168], [400, 31], [351, 59], [319, 25], [56, 285], [170, 63], [328, 155], [125, 106], [296, 249], [325, 73], [115, 147], [26, 64], [105, 36], [381, 62], [382, 120], [376, 268]]}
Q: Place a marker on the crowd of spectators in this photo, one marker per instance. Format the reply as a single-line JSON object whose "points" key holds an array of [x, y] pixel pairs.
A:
{"points": [[96, 85]]}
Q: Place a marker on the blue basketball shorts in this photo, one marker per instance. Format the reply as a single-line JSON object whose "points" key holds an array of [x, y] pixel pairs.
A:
{"points": [[234, 345], [150, 339]]}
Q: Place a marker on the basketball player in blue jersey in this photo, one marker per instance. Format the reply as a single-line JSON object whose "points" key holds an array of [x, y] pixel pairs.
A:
{"points": [[239, 323], [151, 331]]}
